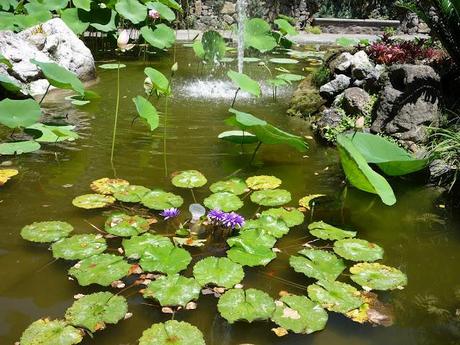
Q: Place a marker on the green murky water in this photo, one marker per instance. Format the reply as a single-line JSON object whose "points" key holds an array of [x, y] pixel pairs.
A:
{"points": [[418, 236]]}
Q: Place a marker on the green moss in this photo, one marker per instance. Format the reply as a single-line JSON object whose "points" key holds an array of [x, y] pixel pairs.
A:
{"points": [[321, 76], [315, 30]]}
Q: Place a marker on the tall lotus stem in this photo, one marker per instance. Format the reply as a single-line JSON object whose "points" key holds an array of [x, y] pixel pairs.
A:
{"points": [[116, 114]]}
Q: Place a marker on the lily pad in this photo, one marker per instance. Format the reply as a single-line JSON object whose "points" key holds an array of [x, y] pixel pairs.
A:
{"points": [[223, 201], [189, 179], [292, 217], [45, 232], [248, 305], [54, 134], [121, 224], [108, 186], [335, 296], [79, 247], [299, 314], [161, 200], [92, 201], [247, 251], [218, 271], [358, 250], [235, 186], [45, 331], [112, 66], [173, 290], [306, 200], [6, 174], [165, 259], [284, 61], [131, 193], [317, 264], [270, 225], [94, 311], [19, 147], [274, 197], [374, 276], [238, 137], [137, 246], [263, 182], [172, 332], [326, 231], [102, 269], [253, 236], [251, 59]]}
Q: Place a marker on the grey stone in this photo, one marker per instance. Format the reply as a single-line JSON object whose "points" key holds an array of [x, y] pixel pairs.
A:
{"points": [[361, 65], [342, 63], [330, 118], [355, 101], [228, 8], [228, 19], [335, 86]]}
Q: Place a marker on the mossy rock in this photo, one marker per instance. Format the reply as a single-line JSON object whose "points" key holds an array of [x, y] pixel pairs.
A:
{"points": [[306, 99]]}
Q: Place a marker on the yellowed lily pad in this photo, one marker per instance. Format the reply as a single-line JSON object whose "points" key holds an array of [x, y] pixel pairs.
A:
{"points": [[306, 200], [263, 182], [92, 201], [6, 174], [374, 276], [108, 186]]}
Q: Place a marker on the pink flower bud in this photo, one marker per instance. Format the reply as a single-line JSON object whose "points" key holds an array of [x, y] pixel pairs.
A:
{"points": [[154, 14]]}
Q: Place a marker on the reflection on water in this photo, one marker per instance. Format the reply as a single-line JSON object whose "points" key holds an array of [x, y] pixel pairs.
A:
{"points": [[416, 235]]}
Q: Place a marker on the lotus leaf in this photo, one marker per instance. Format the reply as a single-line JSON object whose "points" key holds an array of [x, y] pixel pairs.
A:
{"points": [[162, 37], [56, 332], [248, 305], [284, 61], [306, 200], [53, 134], [263, 182], [60, 77], [374, 276], [9, 84], [358, 250], [112, 66], [94, 311], [164, 11], [121, 224], [235, 186], [131, 193], [132, 10], [83, 4], [105, 26], [4, 60], [214, 46], [189, 179], [173, 4], [108, 186], [325, 231], [79, 247], [6, 174], [102, 269], [19, 113], [223, 201], [159, 81], [198, 49], [218, 271], [172, 332], [245, 83], [45, 232], [165, 259], [292, 217], [271, 225], [19, 147], [137, 246], [299, 314], [92, 201], [238, 137], [173, 290], [161, 200], [72, 20], [335, 296], [147, 111], [286, 27], [274, 197], [257, 35], [317, 264]]}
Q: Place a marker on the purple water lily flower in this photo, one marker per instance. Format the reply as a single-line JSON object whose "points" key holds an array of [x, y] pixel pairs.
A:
{"points": [[229, 220], [170, 213]]}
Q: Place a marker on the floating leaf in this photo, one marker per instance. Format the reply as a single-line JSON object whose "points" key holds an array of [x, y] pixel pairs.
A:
{"points": [[131, 193], [306, 200], [374, 276], [235, 186], [165, 259], [132, 10], [108, 186], [45, 331], [257, 35], [238, 137], [289, 77], [189, 179], [292, 217], [19, 147], [79, 247], [102, 269], [223, 201], [92, 201], [284, 61], [299, 314], [137, 246], [358, 250], [60, 77], [172, 332], [251, 248], [162, 37], [218, 271], [250, 59], [263, 182], [245, 83], [53, 134], [248, 305], [273, 226], [147, 111], [19, 113], [274, 197], [335, 296], [325, 231], [252, 234], [6, 174], [112, 66], [317, 264], [161, 200], [94, 311], [45, 232], [173, 290], [121, 224]]}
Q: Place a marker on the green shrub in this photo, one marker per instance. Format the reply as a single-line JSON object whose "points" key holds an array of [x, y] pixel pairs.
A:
{"points": [[316, 30], [321, 76]]}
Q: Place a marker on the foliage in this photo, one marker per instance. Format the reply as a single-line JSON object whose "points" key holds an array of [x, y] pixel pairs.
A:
{"points": [[374, 276], [147, 111], [182, 333], [173, 290], [45, 232], [245, 83], [60, 77], [79, 247], [326, 231], [6, 174], [258, 35], [321, 76], [357, 9], [121, 224], [189, 179], [223, 201], [161, 200], [218, 271], [354, 249], [273, 197], [92, 201], [19, 113], [236, 186], [317, 264], [45, 331], [211, 48], [262, 182]]}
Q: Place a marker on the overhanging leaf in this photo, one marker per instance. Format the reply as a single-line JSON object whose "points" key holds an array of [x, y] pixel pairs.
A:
{"points": [[19, 113], [158, 80], [162, 37], [147, 111], [245, 83], [60, 77], [132, 10], [9, 84], [238, 137], [257, 35], [164, 11], [286, 27]]}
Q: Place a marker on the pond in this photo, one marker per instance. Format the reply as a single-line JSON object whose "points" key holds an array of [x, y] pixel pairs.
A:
{"points": [[418, 234]]}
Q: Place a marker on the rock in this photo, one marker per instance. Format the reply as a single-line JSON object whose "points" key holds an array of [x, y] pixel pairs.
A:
{"points": [[330, 118], [228, 8], [361, 65], [410, 24], [335, 86], [228, 19], [54, 42], [355, 101], [341, 64], [306, 99], [409, 101]]}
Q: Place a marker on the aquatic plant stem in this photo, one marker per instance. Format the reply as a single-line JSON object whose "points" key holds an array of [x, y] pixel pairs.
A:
{"points": [[165, 122], [44, 95], [116, 115], [255, 152], [234, 98], [193, 195]]}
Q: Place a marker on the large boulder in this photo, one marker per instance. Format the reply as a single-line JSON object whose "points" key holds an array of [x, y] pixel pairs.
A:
{"points": [[409, 101], [306, 99], [361, 65], [356, 101], [52, 41], [330, 119], [335, 87], [341, 64]]}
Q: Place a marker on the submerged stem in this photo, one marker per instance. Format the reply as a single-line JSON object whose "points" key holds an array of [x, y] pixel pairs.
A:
{"points": [[116, 115]]}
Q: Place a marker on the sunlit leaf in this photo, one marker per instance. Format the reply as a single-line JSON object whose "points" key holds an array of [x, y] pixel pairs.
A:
{"points": [[45, 331], [189, 179], [9, 84], [19, 147], [158, 80], [183, 333], [165, 259], [252, 247], [92, 201], [271, 225], [317, 264], [161, 200], [147, 111], [238, 137], [218, 271], [257, 35], [223, 201], [138, 246], [60, 77], [112, 66], [325, 231], [162, 37], [6, 174], [44, 232], [53, 134], [335, 296], [130, 193], [235, 186], [271, 197], [121, 224], [306, 200], [286, 27], [79, 247], [263, 182], [108, 186], [358, 250], [164, 10], [374, 276], [245, 83], [292, 217], [132, 10], [173, 290]]}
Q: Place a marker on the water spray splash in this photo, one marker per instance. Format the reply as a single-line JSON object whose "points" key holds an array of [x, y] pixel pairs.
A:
{"points": [[241, 6]]}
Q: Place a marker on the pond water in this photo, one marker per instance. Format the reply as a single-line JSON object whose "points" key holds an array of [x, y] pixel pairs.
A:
{"points": [[418, 235]]}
